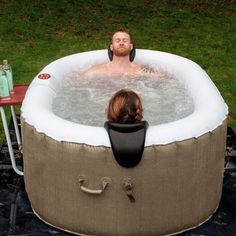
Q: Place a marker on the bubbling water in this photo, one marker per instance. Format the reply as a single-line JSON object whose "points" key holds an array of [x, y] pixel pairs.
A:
{"points": [[84, 100]]}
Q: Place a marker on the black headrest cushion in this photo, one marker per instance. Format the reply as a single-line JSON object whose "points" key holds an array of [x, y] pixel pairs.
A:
{"points": [[127, 141]]}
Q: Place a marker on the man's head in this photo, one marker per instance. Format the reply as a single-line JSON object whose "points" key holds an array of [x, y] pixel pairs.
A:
{"points": [[121, 44]]}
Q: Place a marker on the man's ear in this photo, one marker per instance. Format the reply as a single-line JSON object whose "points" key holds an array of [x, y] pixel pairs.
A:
{"points": [[131, 46], [111, 47]]}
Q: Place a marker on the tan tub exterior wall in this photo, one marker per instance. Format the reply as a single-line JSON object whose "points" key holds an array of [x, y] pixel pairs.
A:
{"points": [[176, 186]]}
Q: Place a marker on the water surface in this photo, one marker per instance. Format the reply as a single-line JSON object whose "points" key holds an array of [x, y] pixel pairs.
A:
{"points": [[84, 99]]}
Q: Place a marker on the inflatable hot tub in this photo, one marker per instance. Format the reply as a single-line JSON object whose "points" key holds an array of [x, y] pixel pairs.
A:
{"points": [[74, 182]]}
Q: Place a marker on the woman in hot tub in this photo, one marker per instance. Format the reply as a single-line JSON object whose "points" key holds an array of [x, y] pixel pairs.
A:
{"points": [[125, 107]]}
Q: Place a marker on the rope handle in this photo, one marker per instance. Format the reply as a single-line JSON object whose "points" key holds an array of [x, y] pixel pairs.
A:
{"points": [[105, 182]]}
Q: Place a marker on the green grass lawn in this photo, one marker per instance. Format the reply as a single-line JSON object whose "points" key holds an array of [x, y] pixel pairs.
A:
{"points": [[34, 33]]}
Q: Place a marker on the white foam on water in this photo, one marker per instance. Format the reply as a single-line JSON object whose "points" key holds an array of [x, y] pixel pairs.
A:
{"points": [[84, 99]]}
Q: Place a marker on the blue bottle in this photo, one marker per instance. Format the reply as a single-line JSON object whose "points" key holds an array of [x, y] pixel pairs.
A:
{"points": [[8, 71], [4, 89]]}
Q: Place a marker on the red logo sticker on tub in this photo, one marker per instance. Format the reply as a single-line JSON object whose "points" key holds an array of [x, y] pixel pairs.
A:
{"points": [[44, 76]]}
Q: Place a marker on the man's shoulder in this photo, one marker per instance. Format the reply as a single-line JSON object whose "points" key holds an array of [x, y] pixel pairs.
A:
{"points": [[136, 69], [135, 66], [100, 68]]}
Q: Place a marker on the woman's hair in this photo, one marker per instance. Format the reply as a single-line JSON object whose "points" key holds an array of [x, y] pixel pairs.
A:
{"points": [[125, 107]]}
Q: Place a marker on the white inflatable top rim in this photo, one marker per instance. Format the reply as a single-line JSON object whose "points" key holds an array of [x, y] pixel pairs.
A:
{"points": [[210, 109]]}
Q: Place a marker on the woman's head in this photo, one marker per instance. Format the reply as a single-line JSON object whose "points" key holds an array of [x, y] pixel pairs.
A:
{"points": [[125, 107]]}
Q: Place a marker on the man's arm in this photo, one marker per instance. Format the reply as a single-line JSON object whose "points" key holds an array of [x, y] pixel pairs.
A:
{"points": [[150, 71]]}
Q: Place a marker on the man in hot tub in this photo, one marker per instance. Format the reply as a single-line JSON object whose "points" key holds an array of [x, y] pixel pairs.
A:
{"points": [[121, 54]]}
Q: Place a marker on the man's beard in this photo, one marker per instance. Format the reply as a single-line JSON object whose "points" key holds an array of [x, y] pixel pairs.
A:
{"points": [[121, 52]]}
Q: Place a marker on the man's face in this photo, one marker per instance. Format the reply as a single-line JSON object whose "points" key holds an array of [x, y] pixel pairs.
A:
{"points": [[121, 44]]}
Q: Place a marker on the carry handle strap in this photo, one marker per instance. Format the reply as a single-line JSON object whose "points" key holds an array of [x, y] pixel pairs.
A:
{"points": [[105, 182]]}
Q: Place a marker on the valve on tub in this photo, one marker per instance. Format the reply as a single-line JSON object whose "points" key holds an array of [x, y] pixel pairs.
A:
{"points": [[128, 188]]}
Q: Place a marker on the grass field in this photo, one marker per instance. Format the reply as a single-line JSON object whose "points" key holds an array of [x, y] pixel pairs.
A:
{"points": [[34, 33]]}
